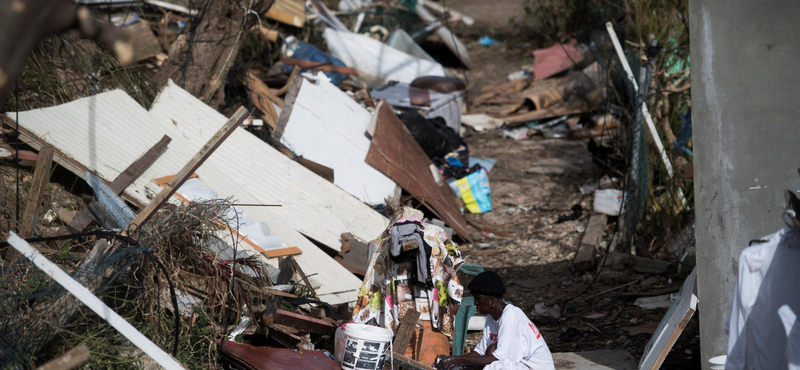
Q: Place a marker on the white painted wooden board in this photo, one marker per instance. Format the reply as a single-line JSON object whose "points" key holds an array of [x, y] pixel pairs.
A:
{"points": [[94, 303], [329, 128]]}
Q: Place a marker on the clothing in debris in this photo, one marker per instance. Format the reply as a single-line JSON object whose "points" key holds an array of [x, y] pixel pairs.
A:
{"points": [[763, 331], [386, 295], [520, 345], [432, 135], [410, 231]]}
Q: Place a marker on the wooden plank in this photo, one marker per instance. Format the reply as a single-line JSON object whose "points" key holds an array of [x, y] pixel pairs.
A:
{"points": [[405, 331], [304, 323], [403, 362], [305, 279], [323, 171], [289, 12], [284, 276], [41, 176], [396, 154], [84, 218], [94, 303], [235, 121], [354, 256], [70, 360], [30, 217], [262, 97], [288, 104], [592, 237]]}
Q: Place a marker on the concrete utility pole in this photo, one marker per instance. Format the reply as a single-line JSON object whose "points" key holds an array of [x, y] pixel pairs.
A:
{"points": [[746, 113]]}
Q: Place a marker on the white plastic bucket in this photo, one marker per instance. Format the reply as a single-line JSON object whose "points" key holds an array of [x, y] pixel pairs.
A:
{"points": [[608, 201], [717, 363], [361, 347]]}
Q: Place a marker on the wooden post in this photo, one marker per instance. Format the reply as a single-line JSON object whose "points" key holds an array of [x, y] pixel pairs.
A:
{"points": [[592, 237], [405, 331], [305, 279], [70, 360], [41, 176], [190, 167]]}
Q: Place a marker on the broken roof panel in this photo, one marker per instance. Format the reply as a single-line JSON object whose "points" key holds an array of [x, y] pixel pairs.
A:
{"points": [[328, 127], [106, 132], [377, 60]]}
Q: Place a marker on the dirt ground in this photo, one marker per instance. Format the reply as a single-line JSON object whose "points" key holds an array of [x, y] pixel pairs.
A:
{"points": [[534, 253]]}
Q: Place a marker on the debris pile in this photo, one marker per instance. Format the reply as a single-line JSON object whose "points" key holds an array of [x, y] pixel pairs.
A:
{"points": [[273, 182]]}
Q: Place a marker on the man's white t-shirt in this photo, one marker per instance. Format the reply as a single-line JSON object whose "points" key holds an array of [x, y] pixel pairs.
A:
{"points": [[517, 338]]}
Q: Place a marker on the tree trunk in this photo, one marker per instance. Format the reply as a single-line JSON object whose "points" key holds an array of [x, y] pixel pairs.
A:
{"points": [[199, 60]]}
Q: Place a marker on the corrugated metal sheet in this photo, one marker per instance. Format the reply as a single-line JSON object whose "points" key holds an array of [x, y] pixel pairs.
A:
{"points": [[328, 127], [107, 132]]}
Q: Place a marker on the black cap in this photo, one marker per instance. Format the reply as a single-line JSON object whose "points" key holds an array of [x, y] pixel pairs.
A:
{"points": [[487, 283]]}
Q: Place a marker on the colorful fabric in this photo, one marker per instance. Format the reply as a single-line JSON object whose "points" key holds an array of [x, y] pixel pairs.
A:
{"points": [[390, 283]]}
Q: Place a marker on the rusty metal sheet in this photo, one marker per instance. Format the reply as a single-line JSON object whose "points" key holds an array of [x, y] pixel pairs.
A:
{"points": [[556, 59], [395, 153], [268, 358]]}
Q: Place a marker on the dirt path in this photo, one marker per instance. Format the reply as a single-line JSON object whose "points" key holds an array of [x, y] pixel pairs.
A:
{"points": [[534, 253]]}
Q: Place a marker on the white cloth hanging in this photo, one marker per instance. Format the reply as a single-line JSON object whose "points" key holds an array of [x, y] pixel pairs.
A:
{"points": [[763, 330]]}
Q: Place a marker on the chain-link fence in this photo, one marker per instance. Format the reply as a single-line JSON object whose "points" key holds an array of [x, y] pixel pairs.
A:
{"points": [[657, 211], [175, 280]]}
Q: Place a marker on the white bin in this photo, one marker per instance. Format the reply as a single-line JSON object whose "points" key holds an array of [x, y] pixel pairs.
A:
{"points": [[361, 347]]}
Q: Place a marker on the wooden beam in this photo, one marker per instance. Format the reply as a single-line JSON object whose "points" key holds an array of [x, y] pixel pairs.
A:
{"points": [[405, 331], [288, 105], [84, 218], [303, 323], [70, 360], [188, 169], [592, 237], [305, 279], [30, 217], [284, 276]]}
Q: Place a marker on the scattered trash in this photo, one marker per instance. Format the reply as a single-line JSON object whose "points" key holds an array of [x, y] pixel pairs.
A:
{"points": [[517, 133], [652, 303], [485, 245], [488, 41], [595, 316], [520, 75], [486, 163], [551, 310], [608, 201], [577, 212], [481, 122], [588, 189]]}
